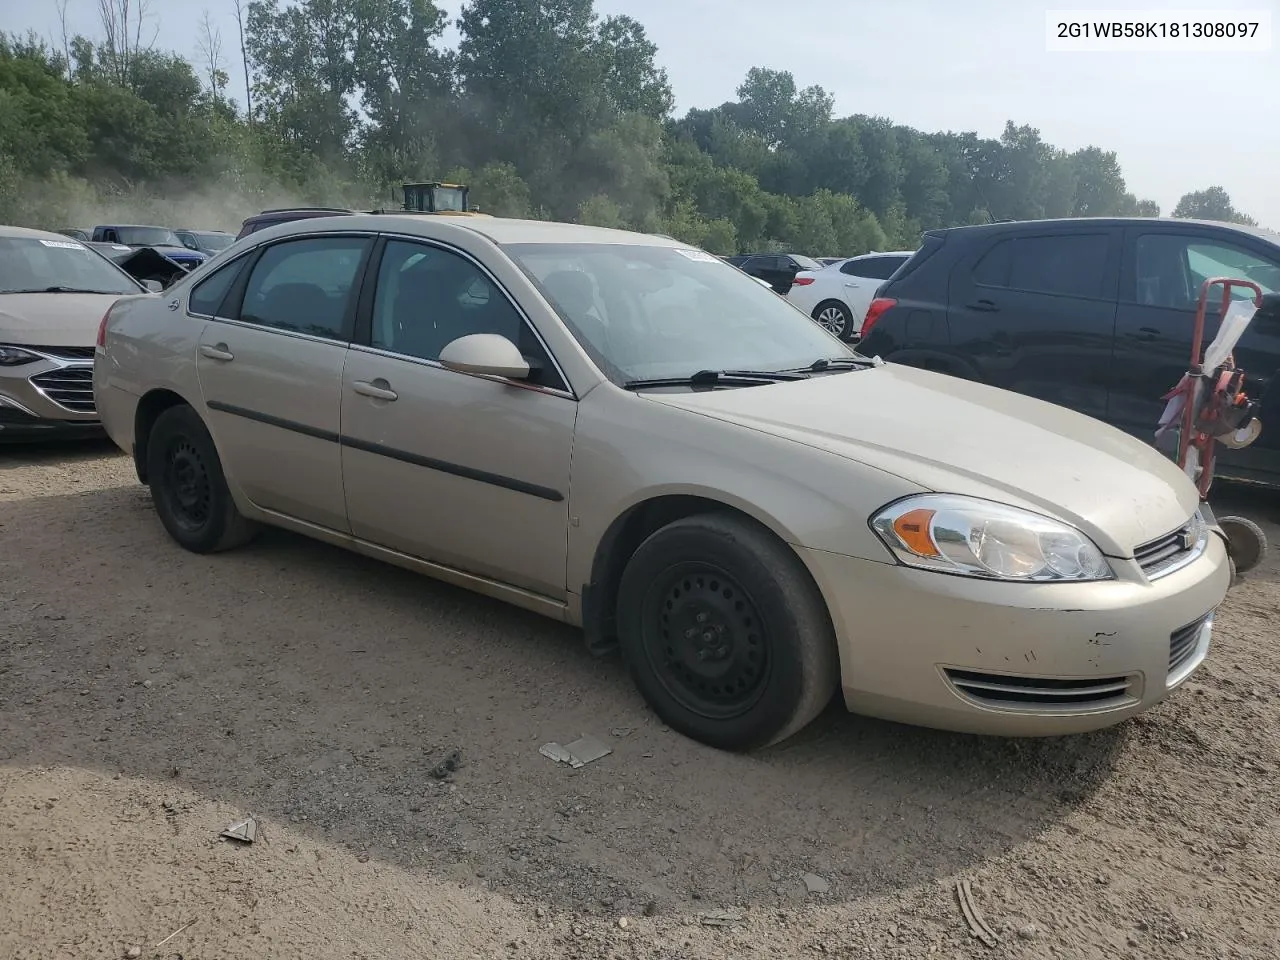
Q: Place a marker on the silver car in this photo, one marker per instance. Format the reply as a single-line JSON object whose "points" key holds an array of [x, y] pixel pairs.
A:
{"points": [[54, 292]]}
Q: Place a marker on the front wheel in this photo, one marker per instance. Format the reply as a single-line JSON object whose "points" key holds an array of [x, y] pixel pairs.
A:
{"points": [[188, 487], [726, 635], [834, 317]]}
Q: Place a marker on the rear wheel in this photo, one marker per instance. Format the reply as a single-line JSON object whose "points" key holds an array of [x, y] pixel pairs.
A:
{"points": [[188, 487], [726, 635], [834, 317]]}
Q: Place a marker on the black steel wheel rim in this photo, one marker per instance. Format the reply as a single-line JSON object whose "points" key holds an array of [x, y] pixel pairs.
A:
{"points": [[186, 484], [705, 640]]}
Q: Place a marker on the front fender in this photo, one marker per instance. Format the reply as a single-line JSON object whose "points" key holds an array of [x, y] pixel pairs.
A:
{"points": [[626, 454]]}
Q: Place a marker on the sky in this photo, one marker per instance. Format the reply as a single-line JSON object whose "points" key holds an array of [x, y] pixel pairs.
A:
{"points": [[1179, 121]]}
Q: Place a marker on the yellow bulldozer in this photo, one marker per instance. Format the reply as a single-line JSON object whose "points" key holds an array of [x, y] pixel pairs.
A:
{"points": [[446, 199]]}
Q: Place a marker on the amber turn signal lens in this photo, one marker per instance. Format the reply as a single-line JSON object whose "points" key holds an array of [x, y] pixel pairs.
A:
{"points": [[912, 529]]}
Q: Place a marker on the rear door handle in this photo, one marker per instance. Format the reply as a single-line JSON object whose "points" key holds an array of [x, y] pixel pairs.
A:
{"points": [[219, 352], [1146, 334], [983, 306], [378, 389], [850, 284]]}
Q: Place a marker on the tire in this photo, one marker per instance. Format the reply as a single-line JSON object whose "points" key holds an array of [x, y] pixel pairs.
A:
{"points": [[765, 663], [188, 487], [834, 317], [1246, 543]]}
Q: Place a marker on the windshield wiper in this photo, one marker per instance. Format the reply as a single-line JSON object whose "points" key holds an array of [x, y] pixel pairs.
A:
{"points": [[842, 363], [713, 378], [56, 289]]}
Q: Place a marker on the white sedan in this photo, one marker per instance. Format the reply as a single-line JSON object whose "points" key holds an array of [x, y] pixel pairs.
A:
{"points": [[838, 295]]}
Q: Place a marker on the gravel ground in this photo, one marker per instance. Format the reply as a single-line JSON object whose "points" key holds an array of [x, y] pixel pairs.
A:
{"points": [[149, 697]]}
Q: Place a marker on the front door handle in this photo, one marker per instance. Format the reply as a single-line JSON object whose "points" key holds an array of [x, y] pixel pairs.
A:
{"points": [[378, 389], [851, 285], [217, 352], [983, 306], [1146, 334]]}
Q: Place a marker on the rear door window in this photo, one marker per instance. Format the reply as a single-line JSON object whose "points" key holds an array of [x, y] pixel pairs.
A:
{"points": [[305, 286], [1068, 265], [873, 268]]}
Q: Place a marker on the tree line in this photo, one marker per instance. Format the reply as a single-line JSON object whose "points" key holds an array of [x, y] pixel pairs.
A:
{"points": [[545, 108]]}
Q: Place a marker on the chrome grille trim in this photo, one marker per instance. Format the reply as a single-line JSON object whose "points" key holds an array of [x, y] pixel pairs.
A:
{"points": [[1042, 694], [1170, 553], [70, 387]]}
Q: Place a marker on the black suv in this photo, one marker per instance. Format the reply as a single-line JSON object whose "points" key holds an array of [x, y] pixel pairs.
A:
{"points": [[776, 269], [1091, 314]]}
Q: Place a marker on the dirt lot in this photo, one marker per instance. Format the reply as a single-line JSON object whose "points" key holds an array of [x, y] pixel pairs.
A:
{"points": [[149, 697]]}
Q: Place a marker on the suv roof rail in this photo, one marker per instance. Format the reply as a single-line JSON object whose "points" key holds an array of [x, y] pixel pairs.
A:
{"points": [[298, 209]]}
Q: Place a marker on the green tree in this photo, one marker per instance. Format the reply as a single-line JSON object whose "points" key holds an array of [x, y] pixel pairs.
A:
{"points": [[1213, 203]]}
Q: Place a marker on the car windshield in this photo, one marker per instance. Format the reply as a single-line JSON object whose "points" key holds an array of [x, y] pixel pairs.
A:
{"points": [[649, 312], [214, 241], [35, 265], [804, 263], [148, 236]]}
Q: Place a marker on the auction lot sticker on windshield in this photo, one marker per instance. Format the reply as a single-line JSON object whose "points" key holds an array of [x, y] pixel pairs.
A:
{"points": [[64, 244], [700, 255]]}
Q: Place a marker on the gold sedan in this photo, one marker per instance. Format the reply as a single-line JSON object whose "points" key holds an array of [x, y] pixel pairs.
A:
{"points": [[628, 434]]}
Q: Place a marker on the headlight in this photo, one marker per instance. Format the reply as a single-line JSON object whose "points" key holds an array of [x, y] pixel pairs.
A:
{"points": [[980, 538], [16, 356]]}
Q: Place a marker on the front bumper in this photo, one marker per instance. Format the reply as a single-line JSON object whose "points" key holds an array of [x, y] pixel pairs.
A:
{"points": [[1015, 659], [52, 396]]}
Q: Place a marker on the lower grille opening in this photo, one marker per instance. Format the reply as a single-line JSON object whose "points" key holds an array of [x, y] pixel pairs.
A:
{"points": [[1009, 691], [70, 387], [1183, 643]]}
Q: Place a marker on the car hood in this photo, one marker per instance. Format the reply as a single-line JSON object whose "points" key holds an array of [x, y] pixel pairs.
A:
{"points": [[949, 435], [53, 319]]}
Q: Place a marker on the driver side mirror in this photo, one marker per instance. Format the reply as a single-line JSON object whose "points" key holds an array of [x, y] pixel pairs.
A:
{"points": [[155, 286], [487, 354], [189, 243]]}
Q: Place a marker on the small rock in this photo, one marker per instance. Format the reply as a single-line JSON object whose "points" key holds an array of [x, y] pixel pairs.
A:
{"points": [[133, 952], [540, 912], [84, 693], [147, 684], [623, 922], [1132, 940], [577, 931], [1029, 932], [775, 877], [815, 884], [651, 908], [893, 930]]}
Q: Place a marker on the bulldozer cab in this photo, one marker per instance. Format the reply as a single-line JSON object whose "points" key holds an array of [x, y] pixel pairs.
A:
{"points": [[436, 197]]}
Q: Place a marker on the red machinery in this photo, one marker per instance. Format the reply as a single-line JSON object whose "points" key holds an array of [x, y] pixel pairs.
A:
{"points": [[1209, 406]]}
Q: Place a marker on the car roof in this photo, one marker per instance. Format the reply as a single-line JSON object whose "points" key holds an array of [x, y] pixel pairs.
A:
{"points": [[1016, 226], [499, 230], [28, 233]]}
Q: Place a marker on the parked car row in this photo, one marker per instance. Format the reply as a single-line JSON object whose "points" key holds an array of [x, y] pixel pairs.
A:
{"points": [[752, 512]]}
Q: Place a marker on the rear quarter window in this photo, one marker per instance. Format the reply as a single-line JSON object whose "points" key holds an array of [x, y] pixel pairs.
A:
{"points": [[930, 245]]}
